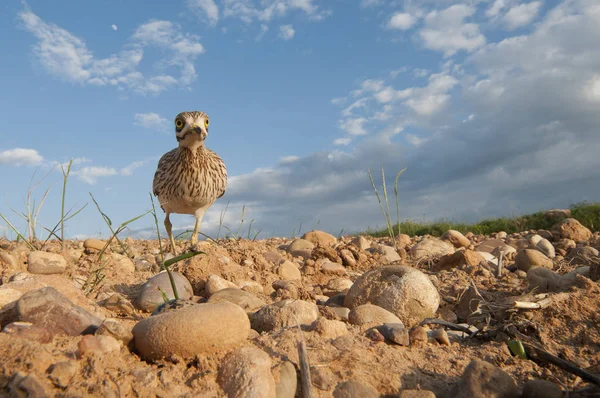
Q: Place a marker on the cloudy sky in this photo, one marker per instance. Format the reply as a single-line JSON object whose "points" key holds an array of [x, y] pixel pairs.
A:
{"points": [[492, 106]]}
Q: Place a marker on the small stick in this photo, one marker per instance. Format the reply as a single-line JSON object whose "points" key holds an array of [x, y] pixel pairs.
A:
{"points": [[453, 326], [542, 355], [304, 370], [500, 265], [526, 305]]}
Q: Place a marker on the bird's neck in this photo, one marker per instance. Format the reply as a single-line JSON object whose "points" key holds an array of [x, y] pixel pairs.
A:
{"points": [[195, 149]]}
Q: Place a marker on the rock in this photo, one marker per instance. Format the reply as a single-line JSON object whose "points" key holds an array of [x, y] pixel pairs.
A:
{"points": [[416, 394], [456, 238], [113, 328], [199, 329], [481, 379], [431, 248], [249, 302], [528, 258], [40, 262], [287, 384], [534, 239], [354, 389], [395, 332], [440, 336], [458, 259], [23, 385], [216, 283], [418, 334], [8, 261], [329, 267], [389, 254], [572, 229], [61, 373], [274, 257], [404, 241], [48, 308], [283, 314], [29, 331], [8, 295], [336, 286], [544, 280], [246, 372], [558, 213], [89, 345], [404, 291], [585, 255], [123, 264], [347, 257], [151, 294], [108, 343], [322, 378], [320, 238], [501, 235], [468, 303], [546, 247], [94, 244], [541, 389], [361, 242], [301, 248], [329, 329], [342, 312], [288, 271], [368, 313], [252, 287], [491, 245]]}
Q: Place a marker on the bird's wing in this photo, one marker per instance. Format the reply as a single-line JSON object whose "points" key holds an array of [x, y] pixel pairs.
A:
{"points": [[156, 183]]}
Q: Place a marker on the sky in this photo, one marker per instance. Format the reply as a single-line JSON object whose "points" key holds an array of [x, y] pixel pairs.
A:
{"points": [[493, 108]]}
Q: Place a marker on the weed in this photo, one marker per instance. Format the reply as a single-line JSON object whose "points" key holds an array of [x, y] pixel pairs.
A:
{"points": [[386, 210]]}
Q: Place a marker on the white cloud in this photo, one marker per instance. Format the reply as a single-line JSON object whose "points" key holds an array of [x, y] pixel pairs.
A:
{"points": [[264, 11], [21, 157], [205, 9], [114, 27], [388, 94], [288, 159], [67, 57], [286, 32], [151, 121], [401, 21], [494, 10], [361, 103], [354, 126], [342, 141], [128, 170], [522, 14], [263, 31], [91, 174], [446, 31]]}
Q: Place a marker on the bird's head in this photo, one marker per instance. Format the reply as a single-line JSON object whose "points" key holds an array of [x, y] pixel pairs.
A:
{"points": [[191, 129]]}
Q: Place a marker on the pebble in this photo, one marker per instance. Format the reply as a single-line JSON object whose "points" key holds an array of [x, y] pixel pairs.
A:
{"points": [[8, 295], [440, 336], [288, 271], [395, 332], [337, 285], [456, 238], [113, 328], [361, 242], [529, 258], [246, 372], [246, 300], [348, 259], [287, 383], [404, 291], [322, 377], [541, 389], [24, 385], [389, 254], [48, 308], [199, 329], [481, 379], [301, 248], [274, 257], [94, 244], [215, 283], [354, 389], [416, 394], [61, 373], [329, 267], [108, 343], [89, 346], [40, 262], [8, 260], [320, 238], [546, 247], [459, 259], [431, 247], [369, 314], [123, 264], [342, 312], [151, 293], [329, 329], [29, 331], [418, 334], [284, 313]]}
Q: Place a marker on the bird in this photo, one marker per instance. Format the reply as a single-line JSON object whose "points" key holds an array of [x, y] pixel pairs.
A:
{"points": [[191, 177]]}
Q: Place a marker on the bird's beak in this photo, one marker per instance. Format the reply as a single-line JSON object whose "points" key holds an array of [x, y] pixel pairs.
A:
{"points": [[196, 128]]}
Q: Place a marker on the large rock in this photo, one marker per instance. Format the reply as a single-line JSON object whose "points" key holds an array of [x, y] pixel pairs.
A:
{"points": [[40, 262], [428, 248], [456, 238], [151, 294], [48, 308], [570, 228], [320, 238], [284, 313], [481, 379], [196, 329], [404, 291], [246, 372], [244, 299], [529, 258]]}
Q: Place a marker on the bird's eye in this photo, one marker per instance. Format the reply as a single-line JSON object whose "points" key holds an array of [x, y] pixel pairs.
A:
{"points": [[178, 123], [206, 122]]}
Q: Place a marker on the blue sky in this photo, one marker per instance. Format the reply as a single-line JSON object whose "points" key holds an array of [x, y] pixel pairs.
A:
{"points": [[492, 106]]}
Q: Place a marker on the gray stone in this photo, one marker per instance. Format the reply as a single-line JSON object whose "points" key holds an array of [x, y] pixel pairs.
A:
{"points": [[151, 294], [48, 308]]}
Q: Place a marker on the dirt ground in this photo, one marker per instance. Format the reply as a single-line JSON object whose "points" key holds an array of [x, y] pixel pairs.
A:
{"points": [[568, 328]]}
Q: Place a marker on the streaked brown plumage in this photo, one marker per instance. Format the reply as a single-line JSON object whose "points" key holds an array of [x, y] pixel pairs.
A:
{"points": [[190, 178]]}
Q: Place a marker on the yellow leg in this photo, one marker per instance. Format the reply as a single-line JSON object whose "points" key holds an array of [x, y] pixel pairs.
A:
{"points": [[194, 238], [168, 227]]}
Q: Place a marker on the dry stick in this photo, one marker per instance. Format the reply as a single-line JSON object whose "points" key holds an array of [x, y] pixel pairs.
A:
{"points": [[453, 326], [304, 366], [500, 265]]}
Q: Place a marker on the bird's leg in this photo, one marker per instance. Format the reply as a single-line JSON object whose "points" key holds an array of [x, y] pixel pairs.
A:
{"points": [[194, 239], [168, 227]]}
